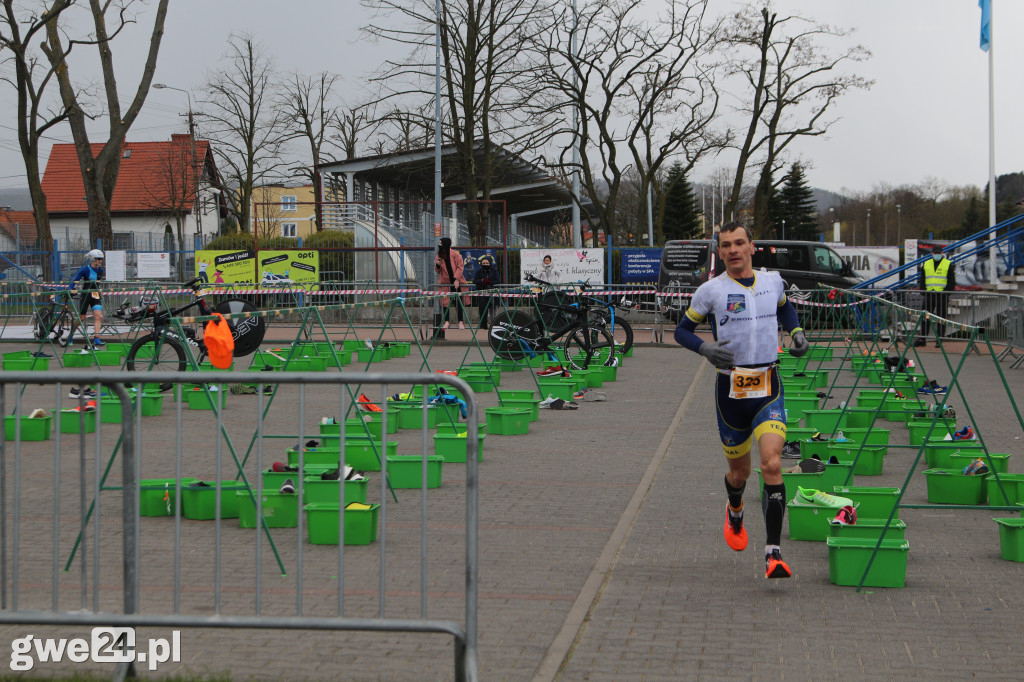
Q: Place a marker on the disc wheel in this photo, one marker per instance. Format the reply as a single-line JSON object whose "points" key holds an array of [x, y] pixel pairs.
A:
{"points": [[512, 334], [248, 332], [586, 345]]}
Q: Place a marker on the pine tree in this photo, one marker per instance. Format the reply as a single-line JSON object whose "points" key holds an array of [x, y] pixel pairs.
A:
{"points": [[796, 206], [681, 219]]}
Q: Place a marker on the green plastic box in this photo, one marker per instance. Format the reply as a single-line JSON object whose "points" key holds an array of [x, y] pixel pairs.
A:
{"points": [[156, 495], [826, 421], [200, 400], [919, 429], [871, 502], [939, 454], [410, 416], [315, 457], [507, 421], [869, 529], [797, 405], [833, 475], [452, 446], [78, 358], [480, 383], [363, 455], [997, 461], [809, 521], [71, 422], [280, 510], [323, 523], [1011, 538], [531, 405], [31, 429], [868, 459], [406, 471], [315, 490], [273, 480], [848, 557], [1012, 485], [199, 500], [558, 387], [23, 361], [951, 486]]}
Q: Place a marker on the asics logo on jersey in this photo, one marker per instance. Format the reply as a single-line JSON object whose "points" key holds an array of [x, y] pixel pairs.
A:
{"points": [[725, 318]]}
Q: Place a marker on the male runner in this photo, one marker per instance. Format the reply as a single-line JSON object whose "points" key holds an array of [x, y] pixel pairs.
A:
{"points": [[744, 309]]}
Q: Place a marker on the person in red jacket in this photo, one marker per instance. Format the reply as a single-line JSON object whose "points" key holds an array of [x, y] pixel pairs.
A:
{"points": [[449, 266]]}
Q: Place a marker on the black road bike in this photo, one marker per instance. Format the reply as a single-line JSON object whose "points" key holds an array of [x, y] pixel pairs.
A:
{"points": [[163, 348], [515, 335], [58, 320]]}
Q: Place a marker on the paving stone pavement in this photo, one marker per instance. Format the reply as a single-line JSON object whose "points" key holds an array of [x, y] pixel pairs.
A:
{"points": [[601, 556]]}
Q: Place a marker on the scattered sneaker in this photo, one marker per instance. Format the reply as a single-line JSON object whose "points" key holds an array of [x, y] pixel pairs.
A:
{"points": [[85, 393], [846, 516], [819, 437], [552, 371], [96, 341], [735, 533], [840, 437], [462, 325], [548, 402], [791, 450], [288, 487], [823, 498], [775, 567], [90, 406], [823, 395], [243, 389], [589, 396], [560, 404], [325, 421], [966, 433], [976, 468], [367, 405], [811, 466], [37, 413]]}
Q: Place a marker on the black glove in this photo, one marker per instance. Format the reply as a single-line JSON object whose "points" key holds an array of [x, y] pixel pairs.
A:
{"points": [[717, 354], [800, 345]]}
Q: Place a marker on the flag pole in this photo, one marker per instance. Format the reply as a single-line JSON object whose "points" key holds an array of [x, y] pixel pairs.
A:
{"points": [[992, 270]]}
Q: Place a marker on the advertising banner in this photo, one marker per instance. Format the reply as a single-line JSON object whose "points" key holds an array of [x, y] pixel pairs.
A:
{"points": [[871, 261], [153, 265], [563, 266], [226, 267], [274, 267], [640, 266], [289, 267], [471, 260]]}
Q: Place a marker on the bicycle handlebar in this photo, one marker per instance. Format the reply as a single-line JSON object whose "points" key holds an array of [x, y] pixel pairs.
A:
{"points": [[534, 278]]}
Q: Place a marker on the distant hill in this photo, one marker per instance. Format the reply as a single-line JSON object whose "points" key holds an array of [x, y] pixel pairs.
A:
{"points": [[825, 199], [18, 199]]}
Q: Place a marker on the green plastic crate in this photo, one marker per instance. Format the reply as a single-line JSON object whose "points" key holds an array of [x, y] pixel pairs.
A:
{"points": [[460, 427], [362, 455], [833, 475], [39, 428], [919, 429], [111, 410], [872, 502], [868, 459], [848, 557], [411, 416], [71, 422], [21, 361], [1011, 538], [480, 383], [156, 495], [558, 387], [200, 400], [825, 421], [273, 480], [809, 521], [939, 454], [406, 471], [316, 490], [869, 529], [951, 486], [531, 405], [377, 418], [507, 421], [315, 457], [199, 500], [452, 446], [280, 510], [1012, 485], [323, 523], [997, 461], [79, 358], [796, 406]]}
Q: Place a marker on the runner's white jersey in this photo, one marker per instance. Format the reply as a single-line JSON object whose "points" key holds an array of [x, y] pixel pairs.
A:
{"points": [[747, 316]]}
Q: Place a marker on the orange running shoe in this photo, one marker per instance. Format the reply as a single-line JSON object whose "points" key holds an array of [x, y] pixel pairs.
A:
{"points": [[735, 533], [775, 567]]}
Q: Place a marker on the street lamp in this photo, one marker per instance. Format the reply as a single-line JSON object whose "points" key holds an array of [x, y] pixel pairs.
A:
{"points": [[783, 228], [832, 221], [192, 139], [867, 232], [899, 224]]}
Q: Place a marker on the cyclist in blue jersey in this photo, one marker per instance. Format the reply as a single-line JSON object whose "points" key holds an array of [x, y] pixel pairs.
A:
{"points": [[89, 296], [744, 309]]}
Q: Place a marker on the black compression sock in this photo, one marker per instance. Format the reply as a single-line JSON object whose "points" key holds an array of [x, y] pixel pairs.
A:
{"points": [[773, 503], [735, 494]]}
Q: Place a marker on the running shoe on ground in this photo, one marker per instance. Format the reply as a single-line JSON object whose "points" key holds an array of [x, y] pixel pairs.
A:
{"points": [[589, 396], [552, 371], [735, 533], [976, 468], [86, 393], [98, 341], [548, 402], [847, 516], [560, 404], [367, 405], [823, 498], [791, 450], [775, 567], [288, 487], [966, 433], [242, 389], [811, 466]]}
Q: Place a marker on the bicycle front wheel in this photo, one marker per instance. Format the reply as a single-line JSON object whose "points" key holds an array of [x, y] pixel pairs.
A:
{"points": [[155, 352], [512, 335], [621, 330], [584, 345]]}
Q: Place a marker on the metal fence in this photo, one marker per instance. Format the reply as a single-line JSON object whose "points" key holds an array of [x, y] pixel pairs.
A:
{"points": [[76, 551]]}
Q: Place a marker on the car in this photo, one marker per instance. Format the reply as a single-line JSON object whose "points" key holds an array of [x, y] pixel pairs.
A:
{"points": [[22, 273]]}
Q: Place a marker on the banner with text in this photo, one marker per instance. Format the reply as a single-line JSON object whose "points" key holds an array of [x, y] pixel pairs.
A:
{"points": [[640, 266], [870, 262], [563, 266]]}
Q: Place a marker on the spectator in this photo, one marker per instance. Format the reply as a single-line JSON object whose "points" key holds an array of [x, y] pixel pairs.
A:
{"points": [[936, 277], [449, 266], [485, 278]]}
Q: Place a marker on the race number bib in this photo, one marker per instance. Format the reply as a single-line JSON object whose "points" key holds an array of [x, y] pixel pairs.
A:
{"points": [[750, 382]]}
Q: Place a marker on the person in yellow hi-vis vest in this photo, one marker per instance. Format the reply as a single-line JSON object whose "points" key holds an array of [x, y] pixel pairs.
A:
{"points": [[936, 277]]}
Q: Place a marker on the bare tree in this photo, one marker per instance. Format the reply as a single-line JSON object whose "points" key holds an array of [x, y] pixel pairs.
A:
{"points": [[247, 130], [174, 186], [30, 79], [485, 79], [643, 92], [350, 124], [790, 84], [100, 170]]}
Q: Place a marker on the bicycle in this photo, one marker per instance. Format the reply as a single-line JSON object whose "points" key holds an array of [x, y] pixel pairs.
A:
{"points": [[57, 321], [514, 335], [162, 348]]}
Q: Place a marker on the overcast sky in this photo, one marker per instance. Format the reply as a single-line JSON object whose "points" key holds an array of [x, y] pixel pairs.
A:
{"points": [[926, 116]]}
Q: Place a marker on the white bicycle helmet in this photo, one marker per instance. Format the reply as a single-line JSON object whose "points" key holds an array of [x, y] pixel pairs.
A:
{"points": [[95, 253]]}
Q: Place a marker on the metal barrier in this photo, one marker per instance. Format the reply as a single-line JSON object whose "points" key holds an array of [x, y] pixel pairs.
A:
{"points": [[210, 574]]}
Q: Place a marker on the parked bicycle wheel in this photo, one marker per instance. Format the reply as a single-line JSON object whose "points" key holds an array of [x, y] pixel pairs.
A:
{"points": [[512, 334], [42, 323], [583, 346], [248, 332], [155, 352], [621, 330]]}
